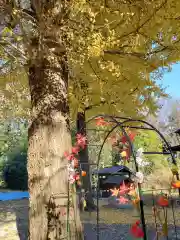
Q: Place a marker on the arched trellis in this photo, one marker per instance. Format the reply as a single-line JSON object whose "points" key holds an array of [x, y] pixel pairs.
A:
{"points": [[123, 123]]}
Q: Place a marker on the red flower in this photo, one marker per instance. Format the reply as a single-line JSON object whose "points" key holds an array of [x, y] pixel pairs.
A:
{"points": [[101, 122], [123, 200], [69, 157], [77, 177], [131, 135], [81, 140], [76, 162], [123, 139], [75, 150], [123, 189], [136, 230], [163, 201], [176, 184]]}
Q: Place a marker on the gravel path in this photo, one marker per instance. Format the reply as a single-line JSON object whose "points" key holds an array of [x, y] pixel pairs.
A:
{"points": [[121, 232]]}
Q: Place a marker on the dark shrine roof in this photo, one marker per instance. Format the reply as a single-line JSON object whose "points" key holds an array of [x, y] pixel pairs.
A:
{"points": [[115, 179], [177, 131], [113, 169], [175, 148]]}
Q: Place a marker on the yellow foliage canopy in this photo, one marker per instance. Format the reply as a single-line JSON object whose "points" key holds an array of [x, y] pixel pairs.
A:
{"points": [[112, 48]]}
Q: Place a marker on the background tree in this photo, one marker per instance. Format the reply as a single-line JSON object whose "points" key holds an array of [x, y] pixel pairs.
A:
{"points": [[13, 154], [14, 171], [15, 97]]}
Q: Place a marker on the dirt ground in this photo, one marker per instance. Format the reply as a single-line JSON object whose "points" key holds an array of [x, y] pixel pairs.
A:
{"points": [[113, 223], [14, 219]]}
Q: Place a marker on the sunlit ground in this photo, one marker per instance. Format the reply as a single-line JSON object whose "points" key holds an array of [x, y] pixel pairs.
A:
{"points": [[113, 223]]}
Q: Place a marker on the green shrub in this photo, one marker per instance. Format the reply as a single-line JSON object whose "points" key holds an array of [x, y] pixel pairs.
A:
{"points": [[15, 170]]}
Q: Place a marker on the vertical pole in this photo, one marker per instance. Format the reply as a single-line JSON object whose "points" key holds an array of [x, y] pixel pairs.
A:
{"points": [[97, 230], [84, 161], [139, 185], [142, 212]]}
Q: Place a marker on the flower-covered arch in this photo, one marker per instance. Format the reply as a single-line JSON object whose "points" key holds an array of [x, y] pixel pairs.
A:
{"points": [[128, 153]]}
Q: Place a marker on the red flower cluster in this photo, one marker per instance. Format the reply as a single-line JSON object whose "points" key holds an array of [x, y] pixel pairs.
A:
{"points": [[124, 140], [123, 200], [131, 136], [101, 122], [81, 141], [163, 201], [136, 230], [80, 144], [124, 189]]}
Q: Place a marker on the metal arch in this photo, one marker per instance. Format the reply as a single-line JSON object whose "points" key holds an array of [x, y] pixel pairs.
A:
{"points": [[158, 132], [96, 116], [137, 169], [119, 123], [126, 120], [129, 141]]}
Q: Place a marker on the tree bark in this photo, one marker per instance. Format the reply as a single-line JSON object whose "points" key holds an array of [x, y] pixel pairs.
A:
{"points": [[53, 210], [84, 161], [49, 138]]}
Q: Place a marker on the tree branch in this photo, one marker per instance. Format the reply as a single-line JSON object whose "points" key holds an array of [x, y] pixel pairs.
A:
{"points": [[102, 102], [4, 41], [118, 52], [145, 22], [140, 55]]}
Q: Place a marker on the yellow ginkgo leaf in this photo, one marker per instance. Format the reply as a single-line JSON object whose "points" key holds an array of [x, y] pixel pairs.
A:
{"points": [[123, 154], [84, 203]]}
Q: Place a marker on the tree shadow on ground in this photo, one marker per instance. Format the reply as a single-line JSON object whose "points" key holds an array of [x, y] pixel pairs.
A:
{"points": [[22, 220], [113, 223]]}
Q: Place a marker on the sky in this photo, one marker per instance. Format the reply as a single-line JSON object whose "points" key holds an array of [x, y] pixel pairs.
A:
{"points": [[171, 80]]}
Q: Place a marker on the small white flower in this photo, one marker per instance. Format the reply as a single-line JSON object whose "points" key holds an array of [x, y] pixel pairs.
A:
{"points": [[139, 152], [71, 173], [140, 177], [141, 163], [139, 158]]}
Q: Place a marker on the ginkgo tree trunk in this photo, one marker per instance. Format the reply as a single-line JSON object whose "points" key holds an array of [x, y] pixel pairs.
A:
{"points": [[53, 210]]}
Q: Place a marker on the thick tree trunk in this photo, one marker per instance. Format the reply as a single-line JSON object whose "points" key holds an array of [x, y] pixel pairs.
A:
{"points": [[84, 161], [49, 138], [53, 210]]}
